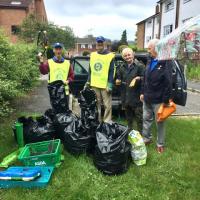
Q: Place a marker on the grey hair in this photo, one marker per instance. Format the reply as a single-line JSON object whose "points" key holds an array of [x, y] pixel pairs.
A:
{"points": [[127, 50], [153, 42]]}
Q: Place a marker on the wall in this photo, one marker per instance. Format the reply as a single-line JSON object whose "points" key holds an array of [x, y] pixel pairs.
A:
{"points": [[188, 10], [9, 17], [148, 31], [156, 27], [40, 10], [167, 18], [140, 35]]}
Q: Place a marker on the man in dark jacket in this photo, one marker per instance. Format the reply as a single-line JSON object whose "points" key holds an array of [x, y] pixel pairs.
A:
{"points": [[157, 89], [129, 77]]}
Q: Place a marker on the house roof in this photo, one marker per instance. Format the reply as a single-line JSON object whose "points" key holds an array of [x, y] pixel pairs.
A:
{"points": [[161, 1], [15, 3], [88, 40], [148, 18]]}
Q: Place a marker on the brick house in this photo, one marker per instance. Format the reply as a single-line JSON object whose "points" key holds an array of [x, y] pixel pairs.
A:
{"points": [[88, 44], [13, 12]]}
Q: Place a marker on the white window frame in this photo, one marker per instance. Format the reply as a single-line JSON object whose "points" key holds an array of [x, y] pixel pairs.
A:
{"points": [[167, 29], [89, 46], [82, 46], [148, 38], [149, 23], [167, 7]]}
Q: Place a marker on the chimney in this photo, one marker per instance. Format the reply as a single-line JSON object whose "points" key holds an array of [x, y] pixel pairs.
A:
{"points": [[157, 9]]}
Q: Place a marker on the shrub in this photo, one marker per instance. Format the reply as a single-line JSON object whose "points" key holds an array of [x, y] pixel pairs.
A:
{"points": [[19, 71], [86, 53], [193, 70]]}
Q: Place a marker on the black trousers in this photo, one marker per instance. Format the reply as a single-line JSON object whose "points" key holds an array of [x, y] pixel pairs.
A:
{"points": [[134, 114]]}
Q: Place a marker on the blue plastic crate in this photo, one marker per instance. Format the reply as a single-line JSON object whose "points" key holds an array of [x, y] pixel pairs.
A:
{"points": [[42, 181]]}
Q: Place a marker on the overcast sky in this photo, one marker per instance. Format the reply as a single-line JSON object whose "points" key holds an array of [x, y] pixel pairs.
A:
{"points": [[100, 17]]}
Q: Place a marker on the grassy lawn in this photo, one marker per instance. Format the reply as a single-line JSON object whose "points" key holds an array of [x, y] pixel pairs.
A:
{"points": [[172, 175]]}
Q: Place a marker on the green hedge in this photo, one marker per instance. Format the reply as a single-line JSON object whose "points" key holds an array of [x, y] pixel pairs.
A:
{"points": [[18, 71], [193, 71]]}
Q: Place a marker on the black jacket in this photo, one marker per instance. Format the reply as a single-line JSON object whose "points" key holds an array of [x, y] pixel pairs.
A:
{"points": [[130, 96], [157, 84]]}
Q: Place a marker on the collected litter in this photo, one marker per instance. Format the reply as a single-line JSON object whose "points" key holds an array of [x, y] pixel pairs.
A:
{"points": [[138, 150]]}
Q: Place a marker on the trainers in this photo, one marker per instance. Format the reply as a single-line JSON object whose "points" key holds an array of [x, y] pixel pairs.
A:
{"points": [[160, 149]]}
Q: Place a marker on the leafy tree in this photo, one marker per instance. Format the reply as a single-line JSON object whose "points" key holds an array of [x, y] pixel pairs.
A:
{"points": [[31, 26], [121, 47], [123, 40]]}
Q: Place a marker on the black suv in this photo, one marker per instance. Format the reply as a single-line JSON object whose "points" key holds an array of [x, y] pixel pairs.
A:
{"points": [[81, 67]]}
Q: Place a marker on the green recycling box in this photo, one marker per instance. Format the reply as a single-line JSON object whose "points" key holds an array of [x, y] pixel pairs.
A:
{"points": [[47, 153]]}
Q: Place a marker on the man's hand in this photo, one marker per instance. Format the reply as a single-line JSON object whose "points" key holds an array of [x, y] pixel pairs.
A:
{"points": [[118, 82], [40, 57], [66, 82], [109, 88], [142, 98], [87, 85]]}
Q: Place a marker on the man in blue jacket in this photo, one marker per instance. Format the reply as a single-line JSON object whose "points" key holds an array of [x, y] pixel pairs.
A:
{"points": [[157, 89]]}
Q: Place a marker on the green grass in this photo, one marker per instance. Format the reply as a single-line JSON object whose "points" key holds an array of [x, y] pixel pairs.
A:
{"points": [[175, 174]]}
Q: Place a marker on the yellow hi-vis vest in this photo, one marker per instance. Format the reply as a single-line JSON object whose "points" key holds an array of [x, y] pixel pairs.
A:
{"points": [[59, 71], [99, 67]]}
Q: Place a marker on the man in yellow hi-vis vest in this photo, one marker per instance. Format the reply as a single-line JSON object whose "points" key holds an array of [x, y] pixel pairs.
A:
{"points": [[58, 67], [100, 79]]}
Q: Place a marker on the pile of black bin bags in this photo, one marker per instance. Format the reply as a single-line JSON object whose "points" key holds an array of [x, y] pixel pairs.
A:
{"points": [[39, 129], [107, 142]]}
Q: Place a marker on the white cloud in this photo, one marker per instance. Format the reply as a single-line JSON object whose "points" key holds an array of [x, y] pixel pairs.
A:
{"points": [[108, 19]]}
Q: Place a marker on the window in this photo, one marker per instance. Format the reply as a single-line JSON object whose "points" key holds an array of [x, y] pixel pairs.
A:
{"points": [[169, 5], [89, 46], [16, 3], [157, 20], [14, 29], [148, 38], [78, 69], [168, 29], [82, 46], [185, 1], [149, 23]]}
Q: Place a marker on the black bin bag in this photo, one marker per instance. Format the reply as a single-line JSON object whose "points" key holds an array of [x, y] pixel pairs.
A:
{"points": [[58, 97], [73, 134], [41, 129], [112, 152], [89, 112]]}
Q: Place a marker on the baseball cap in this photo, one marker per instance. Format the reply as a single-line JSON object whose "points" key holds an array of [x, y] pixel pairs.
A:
{"points": [[57, 45], [100, 39]]}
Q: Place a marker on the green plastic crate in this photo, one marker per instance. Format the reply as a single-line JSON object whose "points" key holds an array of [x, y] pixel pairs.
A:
{"points": [[47, 153]]}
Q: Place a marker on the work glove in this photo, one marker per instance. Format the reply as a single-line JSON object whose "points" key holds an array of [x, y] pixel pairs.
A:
{"points": [[109, 88], [87, 85]]}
